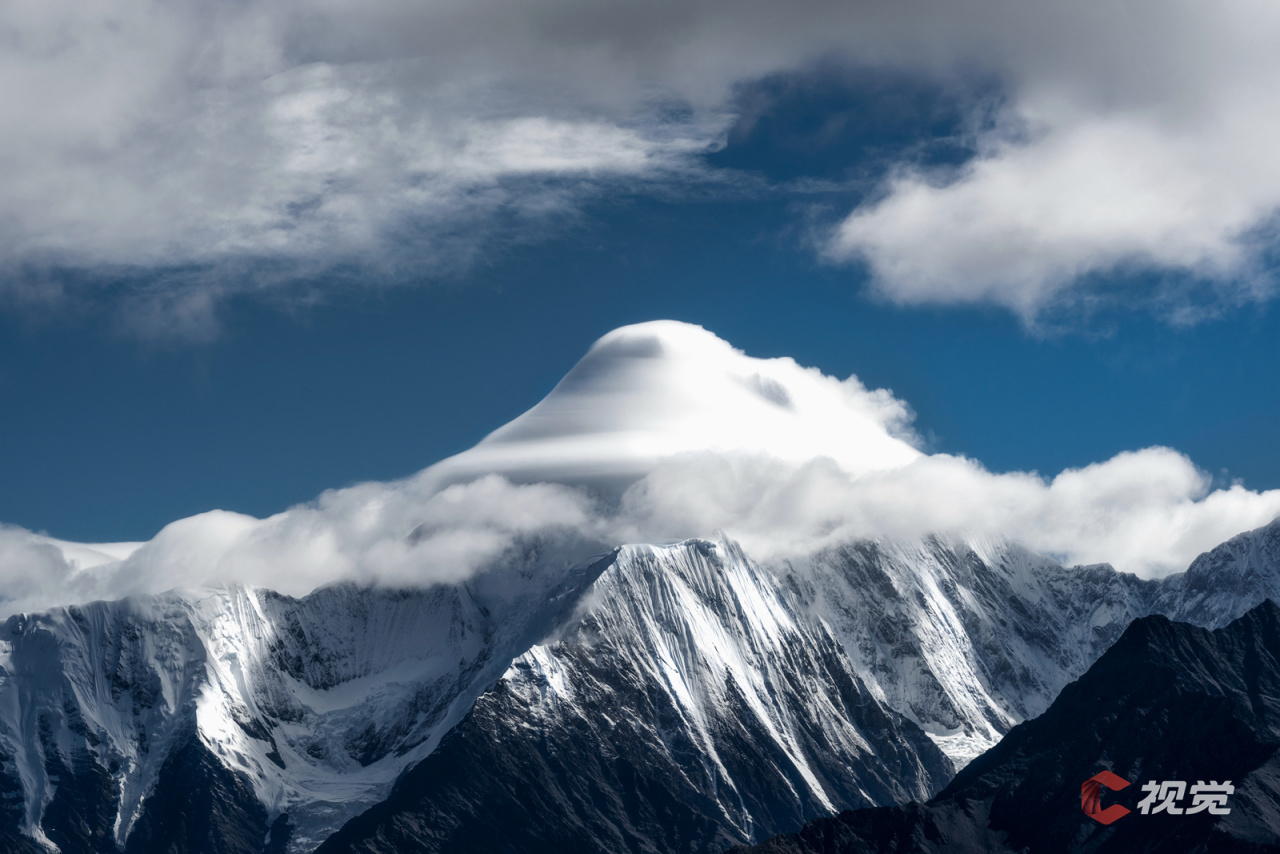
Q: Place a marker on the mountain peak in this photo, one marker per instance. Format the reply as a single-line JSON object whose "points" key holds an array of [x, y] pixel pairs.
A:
{"points": [[651, 391]]}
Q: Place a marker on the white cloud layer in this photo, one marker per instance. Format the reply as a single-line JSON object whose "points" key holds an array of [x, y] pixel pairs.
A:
{"points": [[204, 135], [648, 392], [1135, 139], [760, 462]]}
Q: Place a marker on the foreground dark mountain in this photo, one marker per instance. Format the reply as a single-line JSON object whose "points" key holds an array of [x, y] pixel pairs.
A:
{"points": [[1169, 701]]}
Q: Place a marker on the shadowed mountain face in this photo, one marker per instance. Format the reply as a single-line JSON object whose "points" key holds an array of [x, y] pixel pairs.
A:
{"points": [[1169, 701]]}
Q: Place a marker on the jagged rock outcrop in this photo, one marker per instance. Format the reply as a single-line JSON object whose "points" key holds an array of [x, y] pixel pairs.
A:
{"points": [[1169, 701]]}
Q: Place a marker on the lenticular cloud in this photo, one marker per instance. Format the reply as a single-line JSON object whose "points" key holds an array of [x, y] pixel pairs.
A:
{"points": [[664, 431], [646, 393]]}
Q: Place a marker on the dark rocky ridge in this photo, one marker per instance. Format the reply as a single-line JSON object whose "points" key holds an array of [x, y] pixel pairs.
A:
{"points": [[202, 808], [1169, 701]]}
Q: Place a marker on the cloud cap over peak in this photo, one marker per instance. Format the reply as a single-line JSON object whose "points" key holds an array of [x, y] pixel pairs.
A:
{"points": [[651, 391], [696, 437]]}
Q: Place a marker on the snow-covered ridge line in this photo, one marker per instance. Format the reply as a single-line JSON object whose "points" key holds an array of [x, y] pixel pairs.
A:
{"points": [[690, 703], [722, 637], [755, 695], [318, 703], [321, 703]]}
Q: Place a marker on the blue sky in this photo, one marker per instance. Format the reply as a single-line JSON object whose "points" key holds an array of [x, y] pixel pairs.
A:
{"points": [[118, 436], [848, 206]]}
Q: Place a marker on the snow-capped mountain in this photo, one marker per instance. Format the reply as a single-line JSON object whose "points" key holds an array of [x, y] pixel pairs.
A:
{"points": [[783, 688], [667, 697], [515, 654], [1224, 582], [313, 705], [692, 702], [969, 637], [966, 638]]}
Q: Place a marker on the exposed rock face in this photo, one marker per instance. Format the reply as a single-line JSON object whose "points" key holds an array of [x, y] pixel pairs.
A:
{"points": [[693, 704], [1169, 701], [303, 708], [661, 698]]}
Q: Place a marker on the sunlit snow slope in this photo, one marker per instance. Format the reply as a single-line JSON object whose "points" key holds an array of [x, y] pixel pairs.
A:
{"points": [[692, 703], [698, 699], [314, 705]]}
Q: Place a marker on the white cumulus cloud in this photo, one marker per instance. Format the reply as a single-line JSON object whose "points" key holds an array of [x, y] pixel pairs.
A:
{"points": [[1134, 140], [230, 147], [1150, 512]]}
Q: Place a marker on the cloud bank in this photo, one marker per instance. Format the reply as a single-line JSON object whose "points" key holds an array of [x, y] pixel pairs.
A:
{"points": [[205, 148], [753, 464], [1133, 140]]}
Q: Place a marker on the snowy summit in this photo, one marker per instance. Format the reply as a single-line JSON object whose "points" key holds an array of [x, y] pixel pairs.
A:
{"points": [[647, 392]]}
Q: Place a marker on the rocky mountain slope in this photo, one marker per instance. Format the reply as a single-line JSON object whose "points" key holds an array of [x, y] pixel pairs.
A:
{"points": [[692, 704], [298, 711], [960, 639], [1168, 702], [660, 698]]}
